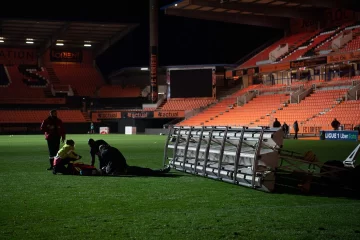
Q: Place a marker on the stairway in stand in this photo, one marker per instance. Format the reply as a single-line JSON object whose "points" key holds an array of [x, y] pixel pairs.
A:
{"points": [[48, 93], [86, 116], [53, 80], [75, 92], [162, 104], [52, 75]]}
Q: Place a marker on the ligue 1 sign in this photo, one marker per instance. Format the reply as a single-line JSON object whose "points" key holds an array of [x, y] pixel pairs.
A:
{"points": [[340, 135]]}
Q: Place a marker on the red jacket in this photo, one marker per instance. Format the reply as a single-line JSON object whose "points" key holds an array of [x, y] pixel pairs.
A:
{"points": [[53, 127]]}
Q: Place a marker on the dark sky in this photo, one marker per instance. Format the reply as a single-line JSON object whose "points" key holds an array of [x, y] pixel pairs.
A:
{"points": [[182, 41]]}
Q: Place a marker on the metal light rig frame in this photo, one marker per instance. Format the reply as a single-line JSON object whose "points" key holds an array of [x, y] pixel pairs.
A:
{"points": [[239, 155], [254, 157]]}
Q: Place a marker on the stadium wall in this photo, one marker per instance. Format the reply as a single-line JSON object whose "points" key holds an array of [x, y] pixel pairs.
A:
{"points": [[67, 56], [28, 56], [32, 128], [10, 56], [331, 18], [139, 78]]}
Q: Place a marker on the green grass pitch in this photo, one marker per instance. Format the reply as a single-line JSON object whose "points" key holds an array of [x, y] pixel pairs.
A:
{"points": [[35, 204]]}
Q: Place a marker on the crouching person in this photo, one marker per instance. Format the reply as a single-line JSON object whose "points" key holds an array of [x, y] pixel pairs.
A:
{"points": [[115, 164], [65, 157]]}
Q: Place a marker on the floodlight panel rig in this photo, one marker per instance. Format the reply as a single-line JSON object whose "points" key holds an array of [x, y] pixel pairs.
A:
{"points": [[239, 155], [254, 157]]}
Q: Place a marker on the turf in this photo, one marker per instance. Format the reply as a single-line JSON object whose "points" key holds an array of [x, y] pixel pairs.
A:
{"points": [[35, 204]]}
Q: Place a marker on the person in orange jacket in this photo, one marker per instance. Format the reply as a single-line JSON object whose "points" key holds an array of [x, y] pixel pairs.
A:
{"points": [[53, 129]]}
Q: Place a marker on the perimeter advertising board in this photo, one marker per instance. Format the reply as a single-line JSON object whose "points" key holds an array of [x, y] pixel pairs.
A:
{"points": [[339, 135], [57, 55], [169, 114]]}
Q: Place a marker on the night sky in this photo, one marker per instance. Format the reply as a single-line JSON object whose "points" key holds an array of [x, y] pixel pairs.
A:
{"points": [[182, 41]]}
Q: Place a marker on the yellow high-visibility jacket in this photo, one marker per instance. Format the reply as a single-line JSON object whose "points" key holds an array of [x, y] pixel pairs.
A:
{"points": [[67, 151]]}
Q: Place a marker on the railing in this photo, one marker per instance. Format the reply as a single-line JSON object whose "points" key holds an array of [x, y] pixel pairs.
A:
{"points": [[70, 92], [61, 89], [243, 99], [302, 95], [353, 93], [52, 90]]}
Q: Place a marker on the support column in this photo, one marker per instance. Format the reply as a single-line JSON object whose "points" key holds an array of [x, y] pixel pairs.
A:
{"points": [[154, 8]]}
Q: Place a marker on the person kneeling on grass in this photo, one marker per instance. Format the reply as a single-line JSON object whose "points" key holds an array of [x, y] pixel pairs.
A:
{"points": [[65, 156], [116, 164]]}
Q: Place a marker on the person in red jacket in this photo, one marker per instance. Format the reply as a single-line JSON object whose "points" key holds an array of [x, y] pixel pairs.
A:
{"points": [[54, 130]]}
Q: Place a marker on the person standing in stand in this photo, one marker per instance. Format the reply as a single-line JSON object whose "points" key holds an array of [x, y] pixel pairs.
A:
{"points": [[296, 129], [92, 129], [54, 130], [276, 123]]}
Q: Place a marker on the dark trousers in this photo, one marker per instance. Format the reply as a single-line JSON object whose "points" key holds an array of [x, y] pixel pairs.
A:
{"points": [[295, 137], [53, 146], [102, 163], [61, 167]]}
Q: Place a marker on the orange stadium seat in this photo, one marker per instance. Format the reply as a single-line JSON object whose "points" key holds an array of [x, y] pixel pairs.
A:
{"points": [[299, 52], [293, 41], [186, 103], [116, 91], [37, 116], [318, 102], [83, 78], [347, 112], [17, 88]]}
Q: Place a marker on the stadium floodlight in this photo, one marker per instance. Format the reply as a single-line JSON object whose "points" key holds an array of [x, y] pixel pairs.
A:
{"points": [[29, 42], [254, 157], [241, 155], [59, 44], [87, 45]]}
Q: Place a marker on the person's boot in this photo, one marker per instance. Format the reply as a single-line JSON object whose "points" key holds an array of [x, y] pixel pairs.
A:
{"points": [[51, 160], [165, 170]]}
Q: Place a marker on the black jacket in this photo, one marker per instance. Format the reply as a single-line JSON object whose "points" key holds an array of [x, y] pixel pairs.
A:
{"points": [[95, 148], [114, 160]]}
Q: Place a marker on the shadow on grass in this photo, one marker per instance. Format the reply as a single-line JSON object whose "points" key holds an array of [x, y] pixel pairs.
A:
{"points": [[165, 175], [295, 185]]}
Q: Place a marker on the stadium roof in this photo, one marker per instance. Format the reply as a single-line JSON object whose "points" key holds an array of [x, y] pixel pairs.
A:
{"points": [[43, 34], [267, 13], [146, 69]]}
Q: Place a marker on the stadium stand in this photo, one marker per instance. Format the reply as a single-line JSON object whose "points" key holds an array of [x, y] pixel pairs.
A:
{"points": [[37, 116], [34, 75], [17, 87], [292, 41], [4, 79], [301, 50], [317, 109], [186, 103], [287, 80], [113, 91], [347, 112], [83, 78], [216, 109], [250, 113], [314, 104], [354, 44]]}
